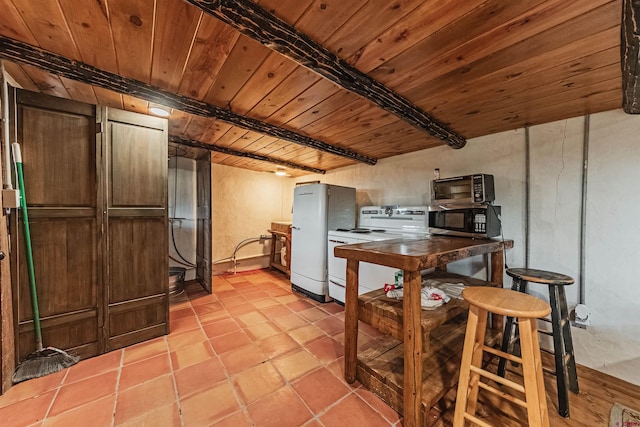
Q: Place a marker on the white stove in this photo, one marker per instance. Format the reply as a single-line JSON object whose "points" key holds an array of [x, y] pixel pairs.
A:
{"points": [[375, 223]]}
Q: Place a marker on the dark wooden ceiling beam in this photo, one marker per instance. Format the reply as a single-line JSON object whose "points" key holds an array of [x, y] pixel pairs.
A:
{"points": [[231, 152], [14, 50], [630, 56], [264, 27]]}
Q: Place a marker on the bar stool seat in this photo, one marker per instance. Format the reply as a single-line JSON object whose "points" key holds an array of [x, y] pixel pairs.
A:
{"points": [[565, 365], [526, 308]]}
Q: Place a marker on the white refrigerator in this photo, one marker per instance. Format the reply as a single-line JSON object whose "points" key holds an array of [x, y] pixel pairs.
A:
{"points": [[317, 208]]}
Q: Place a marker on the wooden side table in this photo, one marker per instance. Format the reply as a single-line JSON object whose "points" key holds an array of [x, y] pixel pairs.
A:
{"points": [[412, 256]]}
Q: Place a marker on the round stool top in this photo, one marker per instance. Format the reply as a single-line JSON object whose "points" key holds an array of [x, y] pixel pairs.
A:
{"points": [[506, 302], [540, 276]]}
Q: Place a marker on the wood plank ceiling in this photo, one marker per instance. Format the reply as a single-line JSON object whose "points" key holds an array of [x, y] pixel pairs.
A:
{"points": [[477, 66]]}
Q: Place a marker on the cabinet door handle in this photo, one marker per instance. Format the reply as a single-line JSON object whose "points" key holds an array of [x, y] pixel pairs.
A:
{"points": [[1, 255]]}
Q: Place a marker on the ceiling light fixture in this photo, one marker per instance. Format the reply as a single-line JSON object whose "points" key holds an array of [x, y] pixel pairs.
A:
{"points": [[159, 110], [281, 171]]}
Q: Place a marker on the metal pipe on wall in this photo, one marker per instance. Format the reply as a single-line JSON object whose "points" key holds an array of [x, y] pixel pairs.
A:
{"points": [[527, 195], [583, 210]]}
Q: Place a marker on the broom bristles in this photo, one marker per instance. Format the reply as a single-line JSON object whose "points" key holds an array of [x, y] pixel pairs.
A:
{"points": [[43, 362]]}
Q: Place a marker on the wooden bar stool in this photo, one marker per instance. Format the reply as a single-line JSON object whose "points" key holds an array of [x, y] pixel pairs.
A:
{"points": [[526, 309], [565, 364]]}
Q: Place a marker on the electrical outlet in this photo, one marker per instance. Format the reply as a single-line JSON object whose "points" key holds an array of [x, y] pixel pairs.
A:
{"points": [[581, 316]]}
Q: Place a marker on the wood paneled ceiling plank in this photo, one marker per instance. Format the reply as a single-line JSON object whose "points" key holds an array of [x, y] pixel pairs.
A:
{"points": [[339, 118], [561, 36], [48, 26], [379, 15], [273, 70], [323, 108], [132, 25], [523, 100], [216, 130], [324, 18], [79, 91], [366, 122], [304, 102], [245, 57], [12, 24], [386, 133], [15, 50], [131, 103], [196, 128], [517, 26], [211, 47], [46, 83], [231, 152], [413, 64], [546, 100], [249, 18], [261, 142], [290, 88], [178, 122], [108, 98], [229, 137], [171, 48], [244, 141], [509, 84], [630, 56], [429, 18], [287, 10], [89, 26], [20, 75], [403, 145], [597, 103]]}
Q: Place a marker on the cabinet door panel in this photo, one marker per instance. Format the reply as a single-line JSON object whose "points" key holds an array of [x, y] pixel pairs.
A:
{"points": [[64, 256], [136, 258], [58, 151], [138, 166]]}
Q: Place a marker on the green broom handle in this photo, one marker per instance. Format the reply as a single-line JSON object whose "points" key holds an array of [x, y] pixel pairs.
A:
{"points": [[17, 156]]}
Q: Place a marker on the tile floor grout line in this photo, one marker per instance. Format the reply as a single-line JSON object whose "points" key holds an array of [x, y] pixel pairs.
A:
{"points": [[55, 396], [117, 391], [173, 380]]}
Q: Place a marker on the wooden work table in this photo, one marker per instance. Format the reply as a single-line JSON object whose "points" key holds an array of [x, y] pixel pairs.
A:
{"points": [[412, 256]]}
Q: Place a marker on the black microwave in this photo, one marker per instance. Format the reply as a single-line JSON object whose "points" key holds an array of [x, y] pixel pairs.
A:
{"points": [[479, 221], [463, 190]]}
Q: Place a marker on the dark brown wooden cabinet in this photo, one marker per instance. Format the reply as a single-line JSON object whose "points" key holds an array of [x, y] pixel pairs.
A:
{"points": [[96, 188]]}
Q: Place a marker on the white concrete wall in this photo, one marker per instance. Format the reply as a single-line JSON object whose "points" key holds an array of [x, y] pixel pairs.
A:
{"points": [[182, 212], [612, 342], [244, 203]]}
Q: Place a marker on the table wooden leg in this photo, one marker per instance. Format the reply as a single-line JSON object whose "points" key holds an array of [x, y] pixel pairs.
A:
{"points": [[351, 322], [497, 273], [412, 390]]}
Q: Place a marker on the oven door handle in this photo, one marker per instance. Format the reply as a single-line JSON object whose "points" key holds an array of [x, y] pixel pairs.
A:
{"points": [[337, 241]]}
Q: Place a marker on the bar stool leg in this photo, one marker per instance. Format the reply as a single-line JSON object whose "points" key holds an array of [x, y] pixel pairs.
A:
{"points": [[508, 336], [467, 395], [537, 412], [560, 322], [568, 342]]}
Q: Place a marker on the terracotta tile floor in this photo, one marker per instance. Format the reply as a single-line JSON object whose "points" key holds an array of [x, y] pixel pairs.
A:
{"points": [[251, 354]]}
